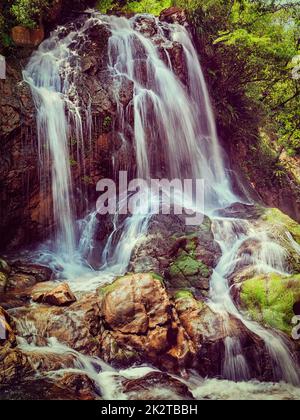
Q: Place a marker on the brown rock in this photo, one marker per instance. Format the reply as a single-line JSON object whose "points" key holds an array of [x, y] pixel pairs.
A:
{"points": [[173, 15], [13, 363], [156, 386], [59, 296], [24, 37], [142, 325]]}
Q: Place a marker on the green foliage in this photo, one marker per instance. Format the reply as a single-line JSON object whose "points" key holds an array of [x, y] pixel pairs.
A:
{"points": [[105, 6], [28, 12], [153, 7]]}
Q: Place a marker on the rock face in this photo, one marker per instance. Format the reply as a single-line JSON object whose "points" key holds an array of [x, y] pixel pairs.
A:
{"points": [[213, 335], [141, 324], [173, 15]]}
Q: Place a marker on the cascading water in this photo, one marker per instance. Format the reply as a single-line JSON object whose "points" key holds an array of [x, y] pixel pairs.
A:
{"points": [[51, 78], [175, 136]]}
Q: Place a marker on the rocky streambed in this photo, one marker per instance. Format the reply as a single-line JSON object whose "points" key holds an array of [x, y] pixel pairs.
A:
{"points": [[156, 328]]}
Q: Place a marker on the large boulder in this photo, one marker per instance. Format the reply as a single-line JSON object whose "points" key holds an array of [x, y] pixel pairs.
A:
{"points": [[221, 340], [61, 295], [141, 324]]}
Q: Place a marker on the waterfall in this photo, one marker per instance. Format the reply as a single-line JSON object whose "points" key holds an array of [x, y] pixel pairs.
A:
{"points": [[175, 137], [51, 78]]}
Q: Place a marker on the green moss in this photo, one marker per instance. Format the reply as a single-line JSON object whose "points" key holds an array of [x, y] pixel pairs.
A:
{"points": [[109, 288], [269, 299], [107, 122], [277, 218], [183, 294], [188, 266], [157, 277]]}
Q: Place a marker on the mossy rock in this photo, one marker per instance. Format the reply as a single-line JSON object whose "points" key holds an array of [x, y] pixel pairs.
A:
{"points": [[280, 220], [286, 232], [269, 299], [187, 272]]}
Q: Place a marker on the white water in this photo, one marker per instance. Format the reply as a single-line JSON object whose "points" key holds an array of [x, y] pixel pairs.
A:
{"points": [[173, 138]]}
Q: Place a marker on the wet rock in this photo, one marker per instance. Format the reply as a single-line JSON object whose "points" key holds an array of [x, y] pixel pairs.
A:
{"points": [[46, 389], [185, 256], [77, 326], [21, 276], [59, 296], [215, 334], [24, 37], [14, 364], [156, 386], [80, 385], [142, 325], [173, 15], [146, 25]]}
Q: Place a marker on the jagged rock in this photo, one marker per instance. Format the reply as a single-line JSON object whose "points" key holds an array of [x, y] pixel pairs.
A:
{"points": [[59, 296], [141, 324]]}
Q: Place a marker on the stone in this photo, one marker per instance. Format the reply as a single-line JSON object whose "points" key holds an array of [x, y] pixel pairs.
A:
{"points": [[141, 324], [211, 331], [156, 386], [77, 326], [173, 15], [59, 296], [14, 364], [24, 37]]}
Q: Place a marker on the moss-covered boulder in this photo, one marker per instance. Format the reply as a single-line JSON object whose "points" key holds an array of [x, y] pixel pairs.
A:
{"points": [[269, 299], [286, 232], [189, 272], [162, 250]]}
